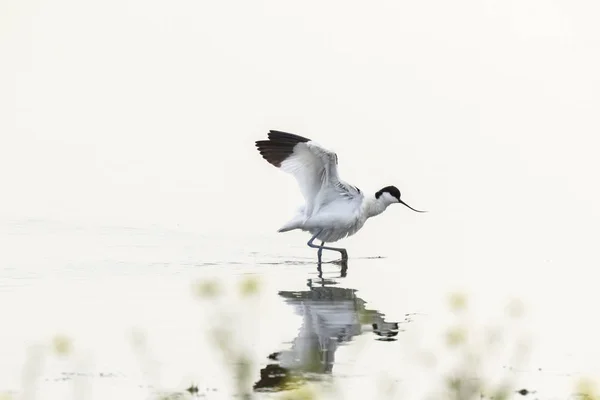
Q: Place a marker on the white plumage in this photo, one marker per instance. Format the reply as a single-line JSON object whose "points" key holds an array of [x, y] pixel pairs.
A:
{"points": [[333, 209]]}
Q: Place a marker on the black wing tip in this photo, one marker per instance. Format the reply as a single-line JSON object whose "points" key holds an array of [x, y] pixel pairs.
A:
{"points": [[279, 146], [281, 135]]}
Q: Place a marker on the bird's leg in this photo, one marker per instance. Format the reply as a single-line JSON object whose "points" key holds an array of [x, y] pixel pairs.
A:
{"points": [[344, 270], [320, 251], [320, 248], [342, 252], [314, 246]]}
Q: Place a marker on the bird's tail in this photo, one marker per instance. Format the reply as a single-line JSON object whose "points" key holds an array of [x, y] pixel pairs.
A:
{"points": [[294, 223], [285, 229]]}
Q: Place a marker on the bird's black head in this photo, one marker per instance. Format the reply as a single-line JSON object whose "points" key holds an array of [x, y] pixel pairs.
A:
{"points": [[393, 194], [392, 190]]}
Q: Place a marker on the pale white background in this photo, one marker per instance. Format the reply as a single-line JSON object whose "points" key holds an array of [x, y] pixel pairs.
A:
{"points": [[145, 113], [485, 113]]}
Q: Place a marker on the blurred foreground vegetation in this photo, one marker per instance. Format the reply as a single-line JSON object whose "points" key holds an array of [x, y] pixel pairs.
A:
{"points": [[469, 344]]}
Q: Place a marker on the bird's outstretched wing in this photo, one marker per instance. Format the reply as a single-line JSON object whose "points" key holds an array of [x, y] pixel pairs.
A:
{"points": [[313, 166]]}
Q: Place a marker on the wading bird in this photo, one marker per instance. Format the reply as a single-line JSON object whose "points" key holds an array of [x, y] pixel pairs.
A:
{"points": [[333, 209]]}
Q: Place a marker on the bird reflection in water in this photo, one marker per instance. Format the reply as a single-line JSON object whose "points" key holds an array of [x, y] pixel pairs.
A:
{"points": [[331, 317]]}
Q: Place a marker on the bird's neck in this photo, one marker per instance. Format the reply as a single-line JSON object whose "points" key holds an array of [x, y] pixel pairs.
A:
{"points": [[373, 206]]}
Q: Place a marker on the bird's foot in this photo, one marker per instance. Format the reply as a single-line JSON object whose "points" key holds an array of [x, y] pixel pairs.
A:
{"points": [[344, 258], [344, 254], [343, 262]]}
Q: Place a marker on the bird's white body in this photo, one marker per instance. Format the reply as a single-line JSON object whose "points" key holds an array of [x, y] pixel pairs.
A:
{"points": [[337, 219], [333, 209]]}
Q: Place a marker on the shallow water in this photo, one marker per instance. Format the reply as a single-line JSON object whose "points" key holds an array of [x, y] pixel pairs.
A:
{"points": [[150, 312]]}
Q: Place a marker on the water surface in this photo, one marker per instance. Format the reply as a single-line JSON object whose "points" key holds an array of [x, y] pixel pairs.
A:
{"points": [[151, 312]]}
